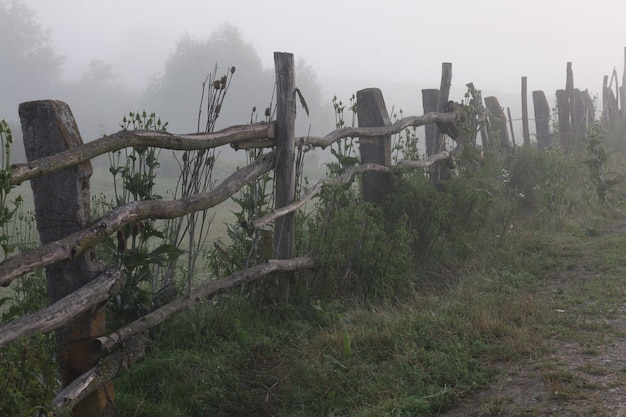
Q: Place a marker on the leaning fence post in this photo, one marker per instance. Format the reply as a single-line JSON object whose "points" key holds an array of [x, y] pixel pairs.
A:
{"points": [[372, 112], [542, 119], [285, 174], [62, 208]]}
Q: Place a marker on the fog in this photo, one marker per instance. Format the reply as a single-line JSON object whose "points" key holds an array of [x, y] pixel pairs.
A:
{"points": [[395, 45]]}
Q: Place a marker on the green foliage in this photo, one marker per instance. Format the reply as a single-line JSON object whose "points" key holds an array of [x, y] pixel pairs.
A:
{"points": [[598, 161], [28, 375], [6, 213], [544, 180], [140, 246], [359, 253]]}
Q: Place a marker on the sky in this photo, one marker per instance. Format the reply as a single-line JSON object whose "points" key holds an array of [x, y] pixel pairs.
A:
{"points": [[492, 43]]}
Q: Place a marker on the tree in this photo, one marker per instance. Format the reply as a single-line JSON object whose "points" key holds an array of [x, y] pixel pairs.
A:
{"points": [[29, 63], [176, 93]]}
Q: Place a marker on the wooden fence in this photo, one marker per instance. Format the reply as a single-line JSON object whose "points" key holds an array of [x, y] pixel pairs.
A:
{"points": [[59, 169]]}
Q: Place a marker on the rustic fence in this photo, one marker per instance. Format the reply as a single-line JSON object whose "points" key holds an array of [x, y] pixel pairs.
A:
{"points": [[59, 169]]}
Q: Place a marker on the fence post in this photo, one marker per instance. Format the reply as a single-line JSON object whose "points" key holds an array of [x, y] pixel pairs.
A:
{"points": [[525, 128], [542, 119], [430, 97], [285, 174], [563, 113], [497, 120], [439, 171], [508, 112], [62, 207], [579, 119], [372, 112], [623, 93]]}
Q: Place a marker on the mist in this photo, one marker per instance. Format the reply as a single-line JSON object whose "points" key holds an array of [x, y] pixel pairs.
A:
{"points": [[106, 58]]}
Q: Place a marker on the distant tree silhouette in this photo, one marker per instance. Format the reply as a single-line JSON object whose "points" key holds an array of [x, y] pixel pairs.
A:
{"points": [[29, 64], [175, 94]]}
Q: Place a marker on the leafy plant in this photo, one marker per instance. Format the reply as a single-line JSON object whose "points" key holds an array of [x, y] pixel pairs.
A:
{"points": [[140, 247]]}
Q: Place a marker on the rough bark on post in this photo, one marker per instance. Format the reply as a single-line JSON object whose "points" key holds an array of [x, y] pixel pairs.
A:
{"points": [[430, 98], [542, 119], [62, 208], [372, 112], [525, 128], [285, 174], [440, 171], [563, 113], [497, 120]]}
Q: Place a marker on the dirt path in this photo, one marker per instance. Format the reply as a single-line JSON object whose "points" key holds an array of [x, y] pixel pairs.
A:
{"points": [[583, 369]]}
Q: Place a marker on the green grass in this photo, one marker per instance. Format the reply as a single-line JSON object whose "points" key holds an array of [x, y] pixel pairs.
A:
{"points": [[415, 357]]}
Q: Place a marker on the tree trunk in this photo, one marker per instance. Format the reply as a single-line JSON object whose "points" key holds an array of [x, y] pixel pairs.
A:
{"points": [[62, 208]]}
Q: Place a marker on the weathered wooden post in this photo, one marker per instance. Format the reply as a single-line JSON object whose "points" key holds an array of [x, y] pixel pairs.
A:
{"points": [[589, 108], [623, 95], [440, 171], [542, 119], [497, 120], [579, 120], [372, 112], [563, 113], [285, 173], [508, 112], [62, 203], [525, 128], [430, 98]]}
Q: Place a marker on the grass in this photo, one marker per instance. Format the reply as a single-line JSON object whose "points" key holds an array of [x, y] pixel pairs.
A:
{"points": [[414, 357], [418, 356]]}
